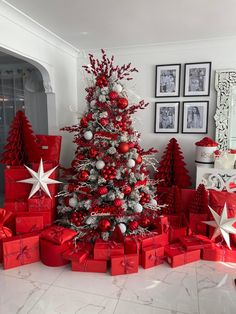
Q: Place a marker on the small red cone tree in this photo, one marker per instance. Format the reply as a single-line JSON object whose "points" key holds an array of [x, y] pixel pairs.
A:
{"points": [[199, 203], [173, 202], [21, 142], [172, 170]]}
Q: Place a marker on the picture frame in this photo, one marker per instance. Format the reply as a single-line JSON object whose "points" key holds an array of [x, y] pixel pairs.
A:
{"points": [[166, 117], [197, 79], [167, 82], [195, 117]]}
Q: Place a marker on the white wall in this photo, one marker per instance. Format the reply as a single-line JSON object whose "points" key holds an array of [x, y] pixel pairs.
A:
{"points": [[220, 52], [57, 60]]}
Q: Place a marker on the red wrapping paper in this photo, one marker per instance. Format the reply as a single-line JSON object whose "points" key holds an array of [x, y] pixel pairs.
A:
{"points": [[78, 252], [152, 256], [132, 245], [162, 224], [90, 265], [51, 253], [155, 239], [177, 255], [58, 234], [195, 223], [28, 224], [219, 253], [19, 205], [124, 264], [40, 204], [50, 147], [5, 232], [197, 242], [177, 227], [15, 190], [20, 250], [104, 249]]}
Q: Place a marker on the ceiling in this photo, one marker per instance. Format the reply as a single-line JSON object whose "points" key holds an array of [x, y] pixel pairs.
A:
{"points": [[117, 23]]}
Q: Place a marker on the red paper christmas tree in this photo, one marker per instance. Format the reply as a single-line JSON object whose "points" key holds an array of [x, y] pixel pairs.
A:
{"points": [[173, 201], [199, 204], [172, 169], [21, 142], [109, 193]]}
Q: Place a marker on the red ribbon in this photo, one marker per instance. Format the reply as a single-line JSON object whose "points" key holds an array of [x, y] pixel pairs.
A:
{"points": [[4, 231], [127, 264], [155, 258], [24, 253]]}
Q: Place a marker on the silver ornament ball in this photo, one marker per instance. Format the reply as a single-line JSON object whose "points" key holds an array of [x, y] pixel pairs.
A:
{"points": [[100, 164], [88, 135], [138, 208]]}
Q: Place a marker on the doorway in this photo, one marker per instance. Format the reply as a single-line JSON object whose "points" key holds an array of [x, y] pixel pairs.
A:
{"points": [[21, 88]]}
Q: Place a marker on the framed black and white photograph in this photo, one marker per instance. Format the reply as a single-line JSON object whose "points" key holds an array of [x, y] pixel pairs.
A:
{"points": [[195, 117], [168, 80], [197, 78], [166, 117]]}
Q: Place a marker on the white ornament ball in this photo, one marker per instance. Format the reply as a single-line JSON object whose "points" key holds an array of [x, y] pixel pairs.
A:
{"points": [[93, 103], [138, 208], [73, 202], [117, 88], [122, 227], [153, 202], [100, 164], [102, 98], [130, 163], [88, 135]]}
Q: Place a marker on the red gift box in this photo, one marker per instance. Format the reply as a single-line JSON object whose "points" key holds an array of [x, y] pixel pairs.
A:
{"points": [[197, 242], [27, 224], [20, 250], [15, 190], [124, 264], [58, 234], [177, 227], [90, 265], [50, 147], [152, 256], [51, 253], [177, 255], [219, 253], [162, 224], [16, 205], [155, 239], [132, 245], [40, 204], [195, 223], [104, 249], [78, 252], [4, 231]]}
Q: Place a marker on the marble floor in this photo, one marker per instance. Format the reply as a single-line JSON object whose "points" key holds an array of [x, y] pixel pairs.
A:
{"points": [[201, 287]]}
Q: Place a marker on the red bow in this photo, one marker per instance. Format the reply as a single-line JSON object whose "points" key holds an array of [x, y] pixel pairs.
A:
{"points": [[4, 231], [24, 253], [127, 264]]}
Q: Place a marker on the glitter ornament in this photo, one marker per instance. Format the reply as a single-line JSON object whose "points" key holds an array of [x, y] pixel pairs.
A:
{"points": [[138, 208], [133, 225], [100, 164], [130, 163], [88, 135]]}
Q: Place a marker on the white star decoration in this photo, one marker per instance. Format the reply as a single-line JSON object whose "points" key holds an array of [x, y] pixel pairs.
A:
{"points": [[40, 179], [223, 225]]}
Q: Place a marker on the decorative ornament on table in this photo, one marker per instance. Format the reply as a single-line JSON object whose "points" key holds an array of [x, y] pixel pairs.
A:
{"points": [[40, 179], [223, 225]]}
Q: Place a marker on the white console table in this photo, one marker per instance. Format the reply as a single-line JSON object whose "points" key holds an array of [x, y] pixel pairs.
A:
{"points": [[217, 179]]}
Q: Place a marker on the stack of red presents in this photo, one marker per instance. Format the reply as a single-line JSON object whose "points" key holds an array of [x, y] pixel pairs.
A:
{"points": [[24, 218]]}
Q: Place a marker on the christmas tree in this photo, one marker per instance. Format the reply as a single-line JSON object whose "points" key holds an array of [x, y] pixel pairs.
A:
{"points": [[21, 142], [108, 190], [173, 202], [199, 204], [172, 169]]}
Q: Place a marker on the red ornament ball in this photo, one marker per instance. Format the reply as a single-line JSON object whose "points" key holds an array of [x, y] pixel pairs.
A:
{"points": [[83, 175], [123, 148], [84, 122], [144, 222], [122, 103], [104, 225], [102, 190], [93, 152], [126, 189], [139, 160], [133, 225], [104, 121], [113, 95], [101, 81], [117, 202]]}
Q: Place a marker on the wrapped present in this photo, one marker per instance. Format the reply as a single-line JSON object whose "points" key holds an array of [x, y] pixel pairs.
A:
{"points": [[29, 223], [132, 245], [152, 256], [196, 242], [155, 239], [20, 250], [124, 264], [50, 148], [177, 227], [195, 223], [162, 224], [78, 252], [219, 253], [19, 205], [90, 265], [51, 253], [5, 232], [15, 190], [40, 204], [58, 234], [177, 255], [104, 249]]}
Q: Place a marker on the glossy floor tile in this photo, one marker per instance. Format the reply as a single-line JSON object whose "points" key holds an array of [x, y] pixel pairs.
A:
{"points": [[197, 288]]}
